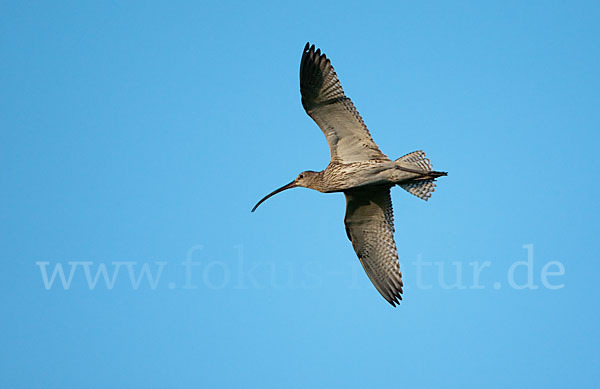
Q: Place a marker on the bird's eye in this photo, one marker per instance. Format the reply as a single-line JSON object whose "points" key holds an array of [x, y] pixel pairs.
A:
{"points": [[301, 176]]}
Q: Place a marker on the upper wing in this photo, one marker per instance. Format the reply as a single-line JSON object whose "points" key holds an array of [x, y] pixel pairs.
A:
{"points": [[370, 226], [324, 100]]}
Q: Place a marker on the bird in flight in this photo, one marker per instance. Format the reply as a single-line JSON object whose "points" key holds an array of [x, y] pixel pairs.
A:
{"points": [[361, 171]]}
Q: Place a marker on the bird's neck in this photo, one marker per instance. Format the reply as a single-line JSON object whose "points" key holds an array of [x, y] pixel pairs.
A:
{"points": [[318, 182]]}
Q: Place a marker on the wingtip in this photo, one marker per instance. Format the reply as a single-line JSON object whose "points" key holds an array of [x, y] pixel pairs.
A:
{"points": [[394, 297], [397, 292], [312, 49], [309, 48]]}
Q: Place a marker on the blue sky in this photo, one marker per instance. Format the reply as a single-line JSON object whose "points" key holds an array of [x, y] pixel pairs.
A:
{"points": [[138, 135]]}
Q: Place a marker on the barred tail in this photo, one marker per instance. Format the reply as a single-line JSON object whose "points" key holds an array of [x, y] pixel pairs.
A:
{"points": [[424, 186], [418, 159], [423, 189]]}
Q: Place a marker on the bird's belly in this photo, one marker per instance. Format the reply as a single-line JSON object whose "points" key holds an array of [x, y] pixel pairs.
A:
{"points": [[360, 174]]}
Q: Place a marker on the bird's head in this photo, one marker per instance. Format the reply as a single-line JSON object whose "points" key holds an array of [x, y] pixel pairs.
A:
{"points": [[306, 179]]}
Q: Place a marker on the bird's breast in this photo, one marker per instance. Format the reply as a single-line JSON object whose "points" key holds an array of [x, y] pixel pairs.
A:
{"points": [[340, 177]]}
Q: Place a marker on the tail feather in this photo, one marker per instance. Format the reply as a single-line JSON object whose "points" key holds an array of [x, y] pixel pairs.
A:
{"points": [[418, 159], [424, 186], [423, 189]]}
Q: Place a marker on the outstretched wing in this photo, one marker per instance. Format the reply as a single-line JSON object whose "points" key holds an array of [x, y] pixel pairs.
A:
{"points": [[370, 226], [324, 100]]}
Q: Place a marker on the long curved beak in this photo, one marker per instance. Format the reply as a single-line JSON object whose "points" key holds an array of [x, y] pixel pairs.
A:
{"points": [[288, 186]]}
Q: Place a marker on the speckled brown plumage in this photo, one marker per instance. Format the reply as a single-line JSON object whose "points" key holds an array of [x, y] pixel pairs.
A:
{"points": [[361, 171]]}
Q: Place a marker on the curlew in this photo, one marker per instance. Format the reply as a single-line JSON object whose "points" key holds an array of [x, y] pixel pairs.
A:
{"points": [[361, 171]]}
